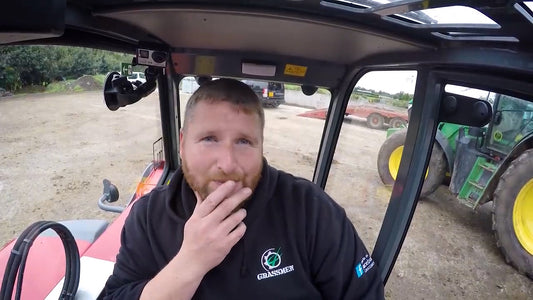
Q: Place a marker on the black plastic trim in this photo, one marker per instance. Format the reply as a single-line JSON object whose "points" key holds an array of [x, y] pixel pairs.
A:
{"points": [[406, 190]]}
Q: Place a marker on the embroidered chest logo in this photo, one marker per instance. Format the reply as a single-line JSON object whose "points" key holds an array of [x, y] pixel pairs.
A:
{"points": [[364, 266], [271, 259], [271, 262]]}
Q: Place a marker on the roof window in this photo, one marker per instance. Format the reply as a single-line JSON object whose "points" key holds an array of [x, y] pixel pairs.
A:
{"points": [[526, 9], [451, 15]]}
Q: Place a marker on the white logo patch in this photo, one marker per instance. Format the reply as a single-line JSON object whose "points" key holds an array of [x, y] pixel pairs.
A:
{"points": [[271, 262]]}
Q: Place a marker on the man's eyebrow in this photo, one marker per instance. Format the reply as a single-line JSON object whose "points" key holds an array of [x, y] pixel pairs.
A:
{"points": [[206, 132], [254, 140]]}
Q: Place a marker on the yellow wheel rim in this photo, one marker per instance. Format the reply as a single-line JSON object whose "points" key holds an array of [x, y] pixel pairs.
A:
{"points": [[394, 161], [523, 216]]}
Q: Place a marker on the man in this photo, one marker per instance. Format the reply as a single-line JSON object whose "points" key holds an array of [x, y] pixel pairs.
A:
{"points": [[229, 226]]}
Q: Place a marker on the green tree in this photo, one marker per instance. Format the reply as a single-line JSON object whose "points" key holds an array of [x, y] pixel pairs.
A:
{"points": [[9, 78], [39, 65]]}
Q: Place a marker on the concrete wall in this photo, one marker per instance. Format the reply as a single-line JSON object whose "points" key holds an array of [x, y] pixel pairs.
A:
{"points": [[315, 101], [188, 85]]}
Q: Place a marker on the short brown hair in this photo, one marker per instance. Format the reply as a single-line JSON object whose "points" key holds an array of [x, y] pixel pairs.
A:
{"points": [[226, 90]]}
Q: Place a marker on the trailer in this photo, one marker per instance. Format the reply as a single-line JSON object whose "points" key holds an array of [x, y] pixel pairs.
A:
{"points": [[375, 116]]}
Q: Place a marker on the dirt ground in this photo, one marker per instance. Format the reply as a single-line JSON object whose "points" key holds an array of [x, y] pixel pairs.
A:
{"points": [[55, 150]]}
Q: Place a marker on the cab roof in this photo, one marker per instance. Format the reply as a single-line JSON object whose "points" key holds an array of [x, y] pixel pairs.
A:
{"points": [[328, 37]]}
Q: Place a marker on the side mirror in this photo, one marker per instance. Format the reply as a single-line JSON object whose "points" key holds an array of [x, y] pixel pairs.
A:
{"points": [[202, 79], [119, 92], [110, 191], [109, 195], [309, 90], [464, 110]]}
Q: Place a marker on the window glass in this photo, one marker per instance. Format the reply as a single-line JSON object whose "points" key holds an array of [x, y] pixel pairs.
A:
{"points": [[58, 140], [512, 122], [379, 101], [292, 127], [188, 85], [444, 229], [469, 92], [456, 14], [137, 75], [275, 86], [292, 135], [452, 15], [256, 83]]}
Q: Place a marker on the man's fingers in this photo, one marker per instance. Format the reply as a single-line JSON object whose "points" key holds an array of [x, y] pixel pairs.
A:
{"points": [[226, 207], [236, 234], [231, 222], [198, 198], [207, 205]]}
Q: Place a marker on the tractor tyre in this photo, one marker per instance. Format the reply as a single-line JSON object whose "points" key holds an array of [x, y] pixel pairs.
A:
{"points": [[389, 157], [512, 213], [397, 123], [375, 121]]}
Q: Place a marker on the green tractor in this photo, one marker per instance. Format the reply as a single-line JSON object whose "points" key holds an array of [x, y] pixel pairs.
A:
{"points": [[493, 163]]}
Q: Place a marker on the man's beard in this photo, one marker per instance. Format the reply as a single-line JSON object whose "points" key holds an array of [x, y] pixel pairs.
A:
{"points": [[203, 187]]}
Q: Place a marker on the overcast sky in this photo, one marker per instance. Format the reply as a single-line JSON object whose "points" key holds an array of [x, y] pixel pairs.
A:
{"points": [[389, 81], [456, 14], [394, 82], [404, 81]]}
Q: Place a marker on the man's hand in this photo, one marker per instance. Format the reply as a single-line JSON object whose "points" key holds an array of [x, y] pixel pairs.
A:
{"points": [[213, 229], [215, 226]]}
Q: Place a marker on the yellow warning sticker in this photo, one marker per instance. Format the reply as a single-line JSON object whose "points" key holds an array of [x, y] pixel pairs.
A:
{"points": [[204, 65], [295, 70]]}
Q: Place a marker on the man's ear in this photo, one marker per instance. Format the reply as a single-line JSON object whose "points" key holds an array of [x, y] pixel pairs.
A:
{"points": [[181, 141]]}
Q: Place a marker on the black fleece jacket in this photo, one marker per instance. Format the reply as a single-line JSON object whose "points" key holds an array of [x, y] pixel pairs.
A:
{"points": [[298, 244]]}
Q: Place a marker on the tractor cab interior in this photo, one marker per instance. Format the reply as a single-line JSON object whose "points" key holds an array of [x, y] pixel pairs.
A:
{"points": [[323, 52]]}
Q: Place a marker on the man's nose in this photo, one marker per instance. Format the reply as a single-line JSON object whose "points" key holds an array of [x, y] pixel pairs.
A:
{"points": [[227, 160]]}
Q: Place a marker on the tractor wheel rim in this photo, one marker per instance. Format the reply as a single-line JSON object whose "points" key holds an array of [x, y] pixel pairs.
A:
{"points": [[523, 216], [394, 161]]}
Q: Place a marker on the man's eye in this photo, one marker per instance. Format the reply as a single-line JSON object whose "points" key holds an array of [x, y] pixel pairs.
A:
{"points": [[244, 142], [209, 139]]}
